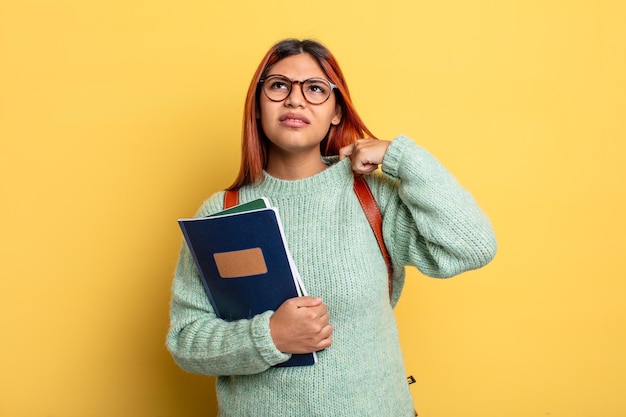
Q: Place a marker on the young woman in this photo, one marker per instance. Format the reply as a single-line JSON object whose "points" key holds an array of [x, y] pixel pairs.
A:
{"points": [[303, 144]]}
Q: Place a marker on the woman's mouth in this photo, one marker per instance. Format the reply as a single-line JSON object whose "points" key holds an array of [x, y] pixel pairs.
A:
{"points": [[293, 120]]}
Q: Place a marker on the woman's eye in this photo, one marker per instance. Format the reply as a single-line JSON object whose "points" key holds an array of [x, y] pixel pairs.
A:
{"points": [[318, 88], [278, 85]]}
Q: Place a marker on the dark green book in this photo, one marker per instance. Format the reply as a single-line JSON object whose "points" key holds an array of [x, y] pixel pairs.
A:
{"points": [[259, 203]]}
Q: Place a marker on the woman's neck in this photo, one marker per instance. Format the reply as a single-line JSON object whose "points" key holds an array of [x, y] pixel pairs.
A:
{"points": [[294, 167]]}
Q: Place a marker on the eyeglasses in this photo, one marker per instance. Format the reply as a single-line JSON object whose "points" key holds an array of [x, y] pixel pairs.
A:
{"points": [[315, 90]]}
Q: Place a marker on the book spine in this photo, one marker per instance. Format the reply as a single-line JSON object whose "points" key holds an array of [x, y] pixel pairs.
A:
{"points": [[197, 264]]}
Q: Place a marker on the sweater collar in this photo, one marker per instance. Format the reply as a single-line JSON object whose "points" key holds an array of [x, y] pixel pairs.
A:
{"points": [[328, 181]]}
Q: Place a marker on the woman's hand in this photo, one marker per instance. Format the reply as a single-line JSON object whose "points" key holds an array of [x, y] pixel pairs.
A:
{"points": [[365, 154], [301, 325]]}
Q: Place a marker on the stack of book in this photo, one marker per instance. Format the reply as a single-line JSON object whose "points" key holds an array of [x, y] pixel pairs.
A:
{"points": [[244, 263]]}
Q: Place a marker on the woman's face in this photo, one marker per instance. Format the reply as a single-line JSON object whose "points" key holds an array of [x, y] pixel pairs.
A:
{"points": [[294, 125]]}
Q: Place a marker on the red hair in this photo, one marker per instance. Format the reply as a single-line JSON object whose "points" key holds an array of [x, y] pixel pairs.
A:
{"points": [[254, 143]]}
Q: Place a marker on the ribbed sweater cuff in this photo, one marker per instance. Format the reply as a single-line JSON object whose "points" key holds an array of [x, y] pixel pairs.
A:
{"points": [[263, 342], [391, 161]]}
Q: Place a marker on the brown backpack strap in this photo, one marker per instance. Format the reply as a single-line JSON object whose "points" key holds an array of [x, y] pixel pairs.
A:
{"points": [[231, 198], [370, 208], [375, 218]]}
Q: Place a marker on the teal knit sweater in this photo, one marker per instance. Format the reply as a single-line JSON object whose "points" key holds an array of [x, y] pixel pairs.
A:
{"points": [[429, 222]]}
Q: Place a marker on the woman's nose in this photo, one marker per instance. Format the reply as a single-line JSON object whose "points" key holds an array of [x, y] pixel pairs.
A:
{"points": [[295, 98]]}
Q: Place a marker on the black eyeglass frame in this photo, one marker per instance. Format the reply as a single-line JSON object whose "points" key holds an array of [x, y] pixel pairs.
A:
{"points": [[301, 83]]}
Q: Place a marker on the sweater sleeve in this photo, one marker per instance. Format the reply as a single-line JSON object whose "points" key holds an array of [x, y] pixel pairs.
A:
{"points": [[202, 343], [430, 221]]}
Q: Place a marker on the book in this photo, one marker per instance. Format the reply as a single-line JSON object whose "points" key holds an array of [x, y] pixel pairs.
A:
{"points": [[259, 203], [244, 263]]}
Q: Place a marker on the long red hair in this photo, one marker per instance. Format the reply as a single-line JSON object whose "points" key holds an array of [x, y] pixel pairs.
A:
{"points": [[254, 143]]}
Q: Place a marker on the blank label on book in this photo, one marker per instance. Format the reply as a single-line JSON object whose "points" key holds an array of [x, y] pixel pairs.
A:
{"points": [[240, 263]]}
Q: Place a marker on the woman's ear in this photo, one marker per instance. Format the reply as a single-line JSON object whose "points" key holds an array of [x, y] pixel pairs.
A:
{"points": [[337, 116]]}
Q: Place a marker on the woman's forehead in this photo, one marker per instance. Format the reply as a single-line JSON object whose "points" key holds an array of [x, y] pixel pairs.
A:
{"points": [[297, 67]]}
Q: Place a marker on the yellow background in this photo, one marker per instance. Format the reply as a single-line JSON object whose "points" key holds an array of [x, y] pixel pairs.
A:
{"points": [[118, 117]]}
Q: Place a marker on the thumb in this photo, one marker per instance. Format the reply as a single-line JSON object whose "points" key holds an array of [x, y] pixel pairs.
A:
{"points": [[346, 151], [307, 301]]}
